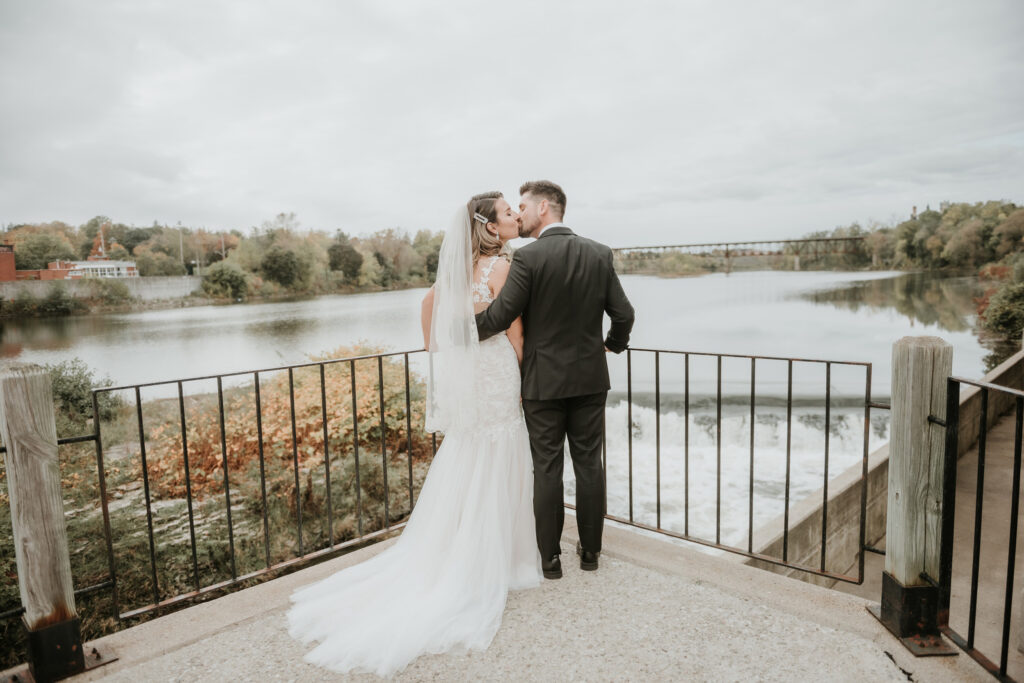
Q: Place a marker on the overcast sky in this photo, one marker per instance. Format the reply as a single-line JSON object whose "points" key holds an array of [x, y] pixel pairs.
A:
{"points": [[665, 122]]}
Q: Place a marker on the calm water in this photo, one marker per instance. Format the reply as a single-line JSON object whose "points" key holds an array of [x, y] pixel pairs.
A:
{"points": [[833, 316]]}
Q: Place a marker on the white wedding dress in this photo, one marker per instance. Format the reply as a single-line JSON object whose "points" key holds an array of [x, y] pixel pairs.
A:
{"points": [[470, 539]]}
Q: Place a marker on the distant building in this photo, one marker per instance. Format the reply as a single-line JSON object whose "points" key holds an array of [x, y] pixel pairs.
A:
{"points": [[99, 268], [64, 270]]}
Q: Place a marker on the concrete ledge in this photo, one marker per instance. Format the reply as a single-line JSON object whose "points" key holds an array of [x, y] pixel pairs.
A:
{"points": [[655, 610]]}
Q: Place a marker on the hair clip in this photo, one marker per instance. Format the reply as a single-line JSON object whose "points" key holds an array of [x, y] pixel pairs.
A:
{"points": [[482, 219]]}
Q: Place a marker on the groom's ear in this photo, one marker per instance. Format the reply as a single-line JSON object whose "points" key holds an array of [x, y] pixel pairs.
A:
{"points": [[542, 207]]}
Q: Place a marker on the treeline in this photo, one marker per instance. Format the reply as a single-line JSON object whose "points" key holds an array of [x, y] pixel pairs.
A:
{"points": [[276, 257], [957, 235]]}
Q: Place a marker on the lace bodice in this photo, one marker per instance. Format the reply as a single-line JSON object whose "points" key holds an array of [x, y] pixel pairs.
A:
{"points": [[481, 288]]}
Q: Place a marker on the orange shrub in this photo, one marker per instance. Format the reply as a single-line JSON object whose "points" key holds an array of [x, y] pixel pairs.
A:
{"points": [[164, 447]]}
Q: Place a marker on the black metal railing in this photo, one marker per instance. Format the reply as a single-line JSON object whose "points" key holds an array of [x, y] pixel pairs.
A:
{"points": [[991, 551], [305, 552], [783, 559], [308, 551]]}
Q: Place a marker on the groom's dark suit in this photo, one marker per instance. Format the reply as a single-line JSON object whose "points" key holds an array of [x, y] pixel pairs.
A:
{"points": [[562, 285]]}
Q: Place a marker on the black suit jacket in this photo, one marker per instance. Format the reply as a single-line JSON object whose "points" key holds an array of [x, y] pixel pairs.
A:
{"points": [[562, 284]]}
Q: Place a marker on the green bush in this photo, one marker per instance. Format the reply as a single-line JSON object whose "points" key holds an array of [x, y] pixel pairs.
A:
{"points": [[1005, 313], [59, 302], [23, 303], [72, 382], [281, 266], [110, 292], [225, 280]]}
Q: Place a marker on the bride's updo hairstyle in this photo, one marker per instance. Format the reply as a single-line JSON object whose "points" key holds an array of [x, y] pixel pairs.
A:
{"points": [[482, 206]]}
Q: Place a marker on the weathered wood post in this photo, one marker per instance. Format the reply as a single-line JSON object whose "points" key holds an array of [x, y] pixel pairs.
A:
{"points": [[37, 516], [909, 604]]}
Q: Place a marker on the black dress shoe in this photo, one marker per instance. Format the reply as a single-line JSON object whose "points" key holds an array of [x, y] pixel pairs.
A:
{"points": [[552, 568], [588, 559]]}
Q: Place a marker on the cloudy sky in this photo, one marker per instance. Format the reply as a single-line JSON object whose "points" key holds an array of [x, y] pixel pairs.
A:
{"points": [[665, 122]]}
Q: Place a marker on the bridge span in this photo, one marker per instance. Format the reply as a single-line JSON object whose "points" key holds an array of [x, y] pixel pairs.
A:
{"points": [[800, 247]]}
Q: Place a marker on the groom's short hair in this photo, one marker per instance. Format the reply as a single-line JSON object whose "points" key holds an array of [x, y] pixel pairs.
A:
{"points": [[545, 189]]}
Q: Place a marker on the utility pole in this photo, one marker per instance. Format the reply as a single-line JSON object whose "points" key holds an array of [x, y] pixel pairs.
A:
{"points": [[181, 244]]}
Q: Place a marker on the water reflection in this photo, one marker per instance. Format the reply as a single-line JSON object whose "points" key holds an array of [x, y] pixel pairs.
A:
{"points": [[949, 303], [922, 297]]}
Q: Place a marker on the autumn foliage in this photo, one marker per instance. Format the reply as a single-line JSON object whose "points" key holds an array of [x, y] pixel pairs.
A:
{"points": [[165, 452]]}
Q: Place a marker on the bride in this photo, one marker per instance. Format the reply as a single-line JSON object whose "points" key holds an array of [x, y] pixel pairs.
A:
{"points": [[471, 535]]}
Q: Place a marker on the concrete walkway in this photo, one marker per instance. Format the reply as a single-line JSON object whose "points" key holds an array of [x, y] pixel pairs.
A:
{"points": [[995, 544], [654, 611]]}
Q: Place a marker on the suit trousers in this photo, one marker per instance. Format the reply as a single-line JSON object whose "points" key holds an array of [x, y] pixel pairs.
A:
{"points": [[550, 422]]}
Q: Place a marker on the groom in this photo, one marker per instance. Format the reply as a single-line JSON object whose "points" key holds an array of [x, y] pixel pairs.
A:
{"points": [[562, 285]]}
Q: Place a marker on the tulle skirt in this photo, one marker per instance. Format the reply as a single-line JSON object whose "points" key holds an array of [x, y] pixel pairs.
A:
{"points": [[443, 584]]}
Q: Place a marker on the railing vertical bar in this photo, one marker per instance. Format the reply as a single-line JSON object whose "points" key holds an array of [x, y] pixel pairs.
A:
{"points": [[629, 420], [355, 449], [718, 455], [104, 508], [978, 514], [789, 451], [864, 473], [227, 483], [327, 456], [188, 484], [1012, 550], [948, 497], [750, 493], [295, 457], [433, 442], [408, 429], [263, 469], [657, 434], [824, 492], [686, 444], [146, 493], [383, 440]]}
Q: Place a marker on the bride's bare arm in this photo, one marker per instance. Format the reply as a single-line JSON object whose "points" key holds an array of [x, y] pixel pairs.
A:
{"points": [[426, 312], [515, 331], [515, 335]]}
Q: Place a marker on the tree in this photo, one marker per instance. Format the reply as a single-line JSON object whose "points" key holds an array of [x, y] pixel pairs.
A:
{"points": [[1009, 234], [344, 257], [225, 279], [118, 252], [150, 261], [281, 266], [35, 250]]}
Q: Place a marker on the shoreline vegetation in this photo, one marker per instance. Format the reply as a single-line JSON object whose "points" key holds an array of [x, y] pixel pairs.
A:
{"points": [[278, 260]]}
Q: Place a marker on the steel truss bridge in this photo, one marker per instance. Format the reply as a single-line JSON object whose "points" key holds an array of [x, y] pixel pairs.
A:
{"points": [[805, 247]]}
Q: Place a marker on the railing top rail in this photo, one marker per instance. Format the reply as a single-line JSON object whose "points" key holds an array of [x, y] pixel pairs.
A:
{"points": [[988, 385], [741, 355], [730, 244], [238, 373]]}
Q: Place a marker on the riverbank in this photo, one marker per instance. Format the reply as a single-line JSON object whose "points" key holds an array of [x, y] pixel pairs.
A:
{"points": [[66, 298]]}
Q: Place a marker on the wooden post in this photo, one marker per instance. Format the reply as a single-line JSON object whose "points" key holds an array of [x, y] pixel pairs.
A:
{"points": [[29, 432], [909, 605]]}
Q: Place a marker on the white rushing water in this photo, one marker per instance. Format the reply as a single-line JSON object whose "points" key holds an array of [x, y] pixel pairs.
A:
{"points": [[807, 449]]}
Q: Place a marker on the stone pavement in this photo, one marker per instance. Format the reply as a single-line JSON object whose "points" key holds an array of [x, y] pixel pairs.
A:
{"points": [[654, 611]]}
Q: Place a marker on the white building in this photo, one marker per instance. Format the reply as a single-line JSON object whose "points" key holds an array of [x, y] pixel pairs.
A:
{"points": [[102, 268]]}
